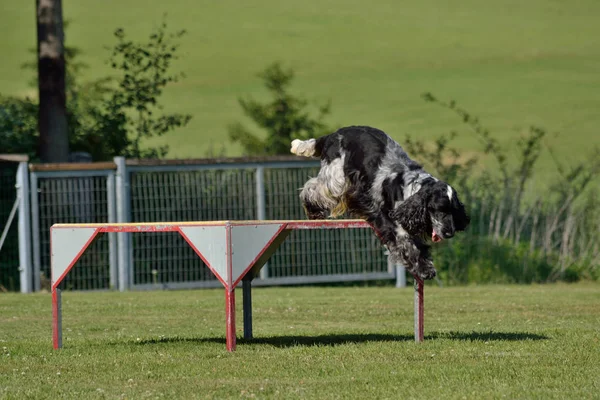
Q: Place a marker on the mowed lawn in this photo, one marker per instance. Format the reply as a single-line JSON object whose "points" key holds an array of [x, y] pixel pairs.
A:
{"points": [[482, 342], [513, 63]]}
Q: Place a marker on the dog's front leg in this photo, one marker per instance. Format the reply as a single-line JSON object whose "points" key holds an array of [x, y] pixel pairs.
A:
{"points": [[425, 269], [414, 255]]}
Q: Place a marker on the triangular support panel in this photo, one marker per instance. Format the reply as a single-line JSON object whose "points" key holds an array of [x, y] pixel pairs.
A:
{"points": [[231, 251], [68, 244], [252, 246], [210, 243]]}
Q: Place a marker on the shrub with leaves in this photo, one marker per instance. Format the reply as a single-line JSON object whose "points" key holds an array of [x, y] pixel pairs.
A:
{"points": [[517, 233], [143, 73], [18, 126], [109, 116], [283, 119]]}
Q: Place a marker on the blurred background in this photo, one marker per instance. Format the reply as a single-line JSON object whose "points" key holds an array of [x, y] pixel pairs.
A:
{"points": [[499, 99]]}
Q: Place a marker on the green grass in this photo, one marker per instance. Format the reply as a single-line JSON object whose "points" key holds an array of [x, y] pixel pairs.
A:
{"points": [[513, 63], [481, 342]]}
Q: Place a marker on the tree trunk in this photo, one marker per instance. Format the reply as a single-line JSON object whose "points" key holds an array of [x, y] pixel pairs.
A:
{"points": [[52, 120]]}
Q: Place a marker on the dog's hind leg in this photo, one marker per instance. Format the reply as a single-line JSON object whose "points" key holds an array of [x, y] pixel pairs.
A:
{"points": [[324, 196]]}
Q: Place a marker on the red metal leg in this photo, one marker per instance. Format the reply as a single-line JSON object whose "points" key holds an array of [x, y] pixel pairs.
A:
{"points": [[418, 309], [230, 315], [56, 319]]}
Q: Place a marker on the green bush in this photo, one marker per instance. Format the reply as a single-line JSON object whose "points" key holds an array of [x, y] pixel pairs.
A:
{"points": [[18, 126], [517, 233], [284, 118]]}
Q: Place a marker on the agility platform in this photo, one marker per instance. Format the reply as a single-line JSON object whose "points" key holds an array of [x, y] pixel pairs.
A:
{"points": [[234, 251]]}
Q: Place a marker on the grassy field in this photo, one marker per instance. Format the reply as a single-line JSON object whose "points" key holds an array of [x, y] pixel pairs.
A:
{"points": [[481, 342], [513, 63]]}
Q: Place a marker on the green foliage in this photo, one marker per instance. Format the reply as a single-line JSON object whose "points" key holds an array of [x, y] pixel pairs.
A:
{"points": [[143, 70], [110, 116], [284, 118], [479, 259], [18, 126], [517, 233], [443, 159]]}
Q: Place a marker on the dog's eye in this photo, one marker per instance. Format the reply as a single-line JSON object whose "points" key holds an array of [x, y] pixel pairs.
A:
{"points": [[442, 204]]}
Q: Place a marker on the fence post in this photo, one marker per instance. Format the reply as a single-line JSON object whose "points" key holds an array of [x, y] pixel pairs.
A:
{"points": [[35, 231], [25, 265], [397, 270], [113, 257], [400, 276], [123, 205], [261, 208]]}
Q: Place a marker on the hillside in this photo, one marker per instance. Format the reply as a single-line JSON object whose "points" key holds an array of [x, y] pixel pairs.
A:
{"points": [[512, 64]]}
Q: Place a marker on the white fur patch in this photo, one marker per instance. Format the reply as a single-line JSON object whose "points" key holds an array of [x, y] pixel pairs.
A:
{"points": [[333, 176], [327, 190], [400, 232], [304, 148], [388, 162], [450, 190], [316, 193], [411, 189]]}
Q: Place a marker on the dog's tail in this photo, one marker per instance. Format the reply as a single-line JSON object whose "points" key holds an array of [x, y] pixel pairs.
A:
{"points": [[307, 148]]}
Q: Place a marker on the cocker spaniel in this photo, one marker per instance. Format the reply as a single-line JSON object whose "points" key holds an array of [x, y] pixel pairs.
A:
{"points": [[366, 173]]}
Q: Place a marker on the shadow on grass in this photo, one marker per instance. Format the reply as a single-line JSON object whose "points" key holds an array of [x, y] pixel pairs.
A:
{"points": [[335, 340], [487, 336]]}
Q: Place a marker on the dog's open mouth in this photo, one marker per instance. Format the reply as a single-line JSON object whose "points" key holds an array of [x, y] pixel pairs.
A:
{"points": [[435, 237]]}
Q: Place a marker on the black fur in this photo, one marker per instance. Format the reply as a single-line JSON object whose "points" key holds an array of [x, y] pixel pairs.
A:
{"points": [[369, 175]]}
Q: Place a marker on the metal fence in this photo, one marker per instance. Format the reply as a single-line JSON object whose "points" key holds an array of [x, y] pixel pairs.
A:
{"points": [[136, 191], [72, 196], [15, 239], [9, 254]]}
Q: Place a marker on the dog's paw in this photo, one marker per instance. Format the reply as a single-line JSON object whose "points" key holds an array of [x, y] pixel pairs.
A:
{"points": [[304, 148], [426, 270], [295, 144], [316, 215], [428, 273]]}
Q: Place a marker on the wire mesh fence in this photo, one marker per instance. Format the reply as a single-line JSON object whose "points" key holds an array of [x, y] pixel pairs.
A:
{"points": [[231, 193], [156, 193], [9, 254], [187, 195], [74, 200], [536, 243]]}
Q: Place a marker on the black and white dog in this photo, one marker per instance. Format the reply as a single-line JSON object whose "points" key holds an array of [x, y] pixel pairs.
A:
{"points": [[366, 173]]}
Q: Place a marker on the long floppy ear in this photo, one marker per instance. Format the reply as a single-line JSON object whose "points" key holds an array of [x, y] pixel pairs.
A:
{"points": [[413, 216], [459, 214]]}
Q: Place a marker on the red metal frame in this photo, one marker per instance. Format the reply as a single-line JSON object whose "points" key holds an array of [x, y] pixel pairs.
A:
{"points": [[230, 335], [229, 284], [174, 226], [56, 320]]}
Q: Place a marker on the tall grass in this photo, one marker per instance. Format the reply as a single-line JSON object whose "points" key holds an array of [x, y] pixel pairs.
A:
{"points": [[522, 230]]}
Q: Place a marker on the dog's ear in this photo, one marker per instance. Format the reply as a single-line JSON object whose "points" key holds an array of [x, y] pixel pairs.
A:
{"points": [[413, 215], [459, 214]]}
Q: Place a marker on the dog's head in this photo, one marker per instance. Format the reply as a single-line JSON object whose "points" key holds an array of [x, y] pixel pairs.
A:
{"points": [[434, 211]]}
